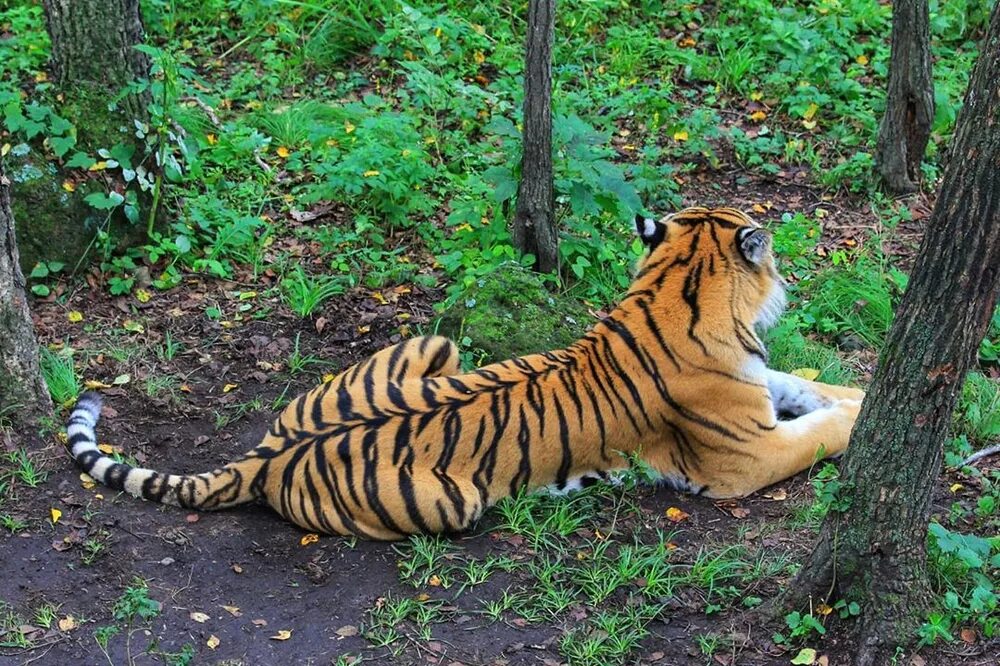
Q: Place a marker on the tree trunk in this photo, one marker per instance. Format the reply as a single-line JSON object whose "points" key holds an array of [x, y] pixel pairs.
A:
{"points": [[24, 398], [909, 104], [534, 216], [874, 552], [93, 60]]}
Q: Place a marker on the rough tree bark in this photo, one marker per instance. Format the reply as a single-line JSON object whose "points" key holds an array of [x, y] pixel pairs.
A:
{"points": [[24, 398], [909, 104], [874, 552], [534, 228], [93, 59]]}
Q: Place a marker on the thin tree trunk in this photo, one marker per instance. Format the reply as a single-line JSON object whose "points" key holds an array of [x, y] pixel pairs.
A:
{"points": [[24, 398], [874, 552], [93, 60], [909, 105], [534, 228]]}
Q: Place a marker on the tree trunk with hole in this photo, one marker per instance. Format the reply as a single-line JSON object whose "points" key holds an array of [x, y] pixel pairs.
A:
{"points": [[24, 398], [93, 60], [874, 552], [909, 105], [534, 229]]}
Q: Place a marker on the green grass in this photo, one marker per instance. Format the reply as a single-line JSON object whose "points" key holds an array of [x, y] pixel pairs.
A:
{"points": [[60, 376], [978, 411]]}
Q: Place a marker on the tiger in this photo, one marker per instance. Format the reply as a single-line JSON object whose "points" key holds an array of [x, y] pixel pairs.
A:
{"points": [[406, 443]]}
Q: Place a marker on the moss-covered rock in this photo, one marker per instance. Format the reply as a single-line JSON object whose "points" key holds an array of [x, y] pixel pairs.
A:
{"points": [[511, 313], [51, 223]]}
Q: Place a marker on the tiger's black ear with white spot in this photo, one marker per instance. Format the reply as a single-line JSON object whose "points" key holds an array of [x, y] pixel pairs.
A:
{"points": [[650, 231], [753, 243]]}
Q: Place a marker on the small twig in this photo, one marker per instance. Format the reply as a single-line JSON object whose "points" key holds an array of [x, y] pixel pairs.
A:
{"points": [[978, 455], [209, 111]]}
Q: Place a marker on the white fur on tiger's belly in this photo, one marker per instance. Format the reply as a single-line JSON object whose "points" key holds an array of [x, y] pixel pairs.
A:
{"points": [[582, 481]]}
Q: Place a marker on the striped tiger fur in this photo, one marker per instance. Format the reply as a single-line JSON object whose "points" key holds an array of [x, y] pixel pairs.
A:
{"points": [[405, 442]]}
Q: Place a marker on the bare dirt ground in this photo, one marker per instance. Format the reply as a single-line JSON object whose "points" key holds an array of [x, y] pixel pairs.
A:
{"points": [[230, 584]]}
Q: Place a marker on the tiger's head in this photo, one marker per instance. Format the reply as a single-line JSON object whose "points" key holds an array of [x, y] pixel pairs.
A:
{"points": [[719, 263]]}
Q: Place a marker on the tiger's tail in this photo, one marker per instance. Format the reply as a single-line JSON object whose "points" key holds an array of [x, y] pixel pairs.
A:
{"points": [[222, 488]]}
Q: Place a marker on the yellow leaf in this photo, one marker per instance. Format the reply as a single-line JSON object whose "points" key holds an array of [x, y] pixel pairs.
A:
{"points": [[364, 329], [282, 635], [434, 581], [69, 186], [56, 515], [823, 609], [329, 377], [142, 295], [757, 208], [811, 111], [229, 387], [211, 139], [213, 642], [98, 496], [185, 388], [105, 448], [806, 373], [98, 166], [955, 487], [199, 617], [4, 149], [233, 610], [308, 539], [74, 316], [680, 136], [809, 124], [687, 42], [479, 57], [820, 213], [41, 77], [93, 384], [349, 126], [862, 59], [377, 295], [282, 151], [87, 481], [676, 515], [133, 326], [68, 623], [756, 96], [370, 173], [758, 116]]}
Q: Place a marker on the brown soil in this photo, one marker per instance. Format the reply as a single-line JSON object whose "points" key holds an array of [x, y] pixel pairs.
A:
{"points": [[246, 569]]}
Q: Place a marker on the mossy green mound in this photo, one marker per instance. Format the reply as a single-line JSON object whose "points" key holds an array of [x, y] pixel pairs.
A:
{"points": [[511, 313]]}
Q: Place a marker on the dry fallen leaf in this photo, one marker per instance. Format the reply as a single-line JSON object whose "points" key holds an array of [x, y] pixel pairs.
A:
{"points": [[308, 539], [68, 623], [229, 387], [259, 623], [213, 641], [233, 610], [968, 635], [778, 495], [199, 617], [74, 316], [282, 635], [676, 515], [56, 515], [87, 481], [434, 581], [347, 631], [805, 657]]}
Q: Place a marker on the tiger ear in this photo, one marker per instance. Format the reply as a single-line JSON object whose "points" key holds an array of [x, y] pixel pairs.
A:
{"points": [[650, 231], [754, 244]]}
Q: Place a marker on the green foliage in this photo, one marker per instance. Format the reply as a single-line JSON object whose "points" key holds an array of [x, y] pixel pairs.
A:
{"points": [[135, 602], [304, 293], [60, 375], [965, 568]]}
